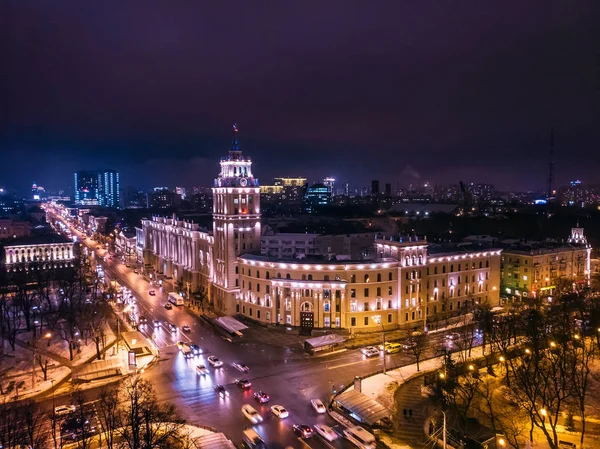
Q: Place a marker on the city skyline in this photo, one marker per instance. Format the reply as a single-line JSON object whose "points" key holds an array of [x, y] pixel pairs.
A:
{"points": [[443, 94]]}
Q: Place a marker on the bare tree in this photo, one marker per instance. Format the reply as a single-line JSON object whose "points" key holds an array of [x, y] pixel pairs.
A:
{"points": [[83, 416], [42, 362], [35, 425], [418, 347], [109, 415]]}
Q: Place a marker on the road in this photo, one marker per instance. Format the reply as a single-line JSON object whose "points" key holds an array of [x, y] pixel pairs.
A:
{"points": [[290, 378]]}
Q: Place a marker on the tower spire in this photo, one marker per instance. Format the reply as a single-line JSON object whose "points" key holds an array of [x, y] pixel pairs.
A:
{"points": [[551, 168], [235, 145]]}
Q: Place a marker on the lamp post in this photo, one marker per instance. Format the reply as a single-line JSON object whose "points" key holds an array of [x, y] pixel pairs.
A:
{"points": [[377, 319]]}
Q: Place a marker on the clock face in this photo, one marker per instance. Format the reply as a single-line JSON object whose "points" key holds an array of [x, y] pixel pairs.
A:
{"points": [[243, 182]]}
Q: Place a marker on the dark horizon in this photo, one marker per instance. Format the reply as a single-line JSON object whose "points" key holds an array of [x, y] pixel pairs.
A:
{"points": [[398, 92]]}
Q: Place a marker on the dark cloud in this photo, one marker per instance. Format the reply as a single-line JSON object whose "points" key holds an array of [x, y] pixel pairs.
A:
{"points": [[357, 89]]}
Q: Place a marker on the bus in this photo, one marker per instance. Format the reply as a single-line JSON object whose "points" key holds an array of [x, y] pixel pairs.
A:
{"points": [[360, 437], [176, 299]]}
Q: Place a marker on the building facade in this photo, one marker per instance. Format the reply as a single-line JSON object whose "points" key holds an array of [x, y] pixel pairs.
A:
{"points": [[400, 283], [52, 251], [11, 229], [537, 270]]}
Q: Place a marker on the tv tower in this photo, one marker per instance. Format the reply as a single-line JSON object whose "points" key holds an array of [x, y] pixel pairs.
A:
{"points": [[551, 168]]}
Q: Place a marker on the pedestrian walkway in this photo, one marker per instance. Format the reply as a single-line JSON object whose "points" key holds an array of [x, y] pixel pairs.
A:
{"points": [[43, 351], [409, 428]]}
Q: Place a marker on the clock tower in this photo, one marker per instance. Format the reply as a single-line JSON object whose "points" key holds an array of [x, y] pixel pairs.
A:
{"points": [[236, 224]]}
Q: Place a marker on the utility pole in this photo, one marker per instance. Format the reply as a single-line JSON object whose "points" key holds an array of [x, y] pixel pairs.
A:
{"points": [[444, 437]]}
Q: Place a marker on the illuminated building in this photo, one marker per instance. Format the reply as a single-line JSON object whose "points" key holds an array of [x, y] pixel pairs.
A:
{"points": [[97, 188], [316, 195], [39, 252], [181, 191], [14, 229], [284, 190], [109, 188], [535, 269], [401, 282], [330, 183], [86, 188]]}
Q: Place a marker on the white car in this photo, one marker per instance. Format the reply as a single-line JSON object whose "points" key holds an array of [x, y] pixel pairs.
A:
{"points": [[318, 405], [325, 431], [63, 410], [250, 412], [214, 361], [202, 370], [280, 411], [369, 349], [371, 352]]}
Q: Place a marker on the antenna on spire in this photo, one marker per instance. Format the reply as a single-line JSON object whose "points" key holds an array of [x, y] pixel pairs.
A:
{"points": [[235, 146], [551, 171]]}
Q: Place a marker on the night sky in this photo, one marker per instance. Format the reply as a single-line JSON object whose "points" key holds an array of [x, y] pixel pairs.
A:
{"points": [[402, 91]]}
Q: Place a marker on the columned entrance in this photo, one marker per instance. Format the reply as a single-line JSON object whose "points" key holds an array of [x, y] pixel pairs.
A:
{"points": [[307, 318]]}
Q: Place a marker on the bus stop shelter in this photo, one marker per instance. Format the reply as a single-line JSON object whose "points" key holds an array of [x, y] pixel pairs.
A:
{"points": [[323, 343], [362, 408]]}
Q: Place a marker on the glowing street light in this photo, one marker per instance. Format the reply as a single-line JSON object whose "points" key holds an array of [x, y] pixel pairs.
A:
{"points": [[442, 376], [552, 344], [471, 367], [502, 359], [543, 412]]}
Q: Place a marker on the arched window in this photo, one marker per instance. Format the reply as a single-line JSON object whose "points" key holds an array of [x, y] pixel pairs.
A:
{"points": [[303, 277], [257, 273], [420, 259], [452, 268], [287, 276], [443, 268], [278, 275], [353, 279], [237, 269], [326, 307], [326, 278], [310, 277], [267, 275], [480, 264], [378, 277], [366, 278], [390, 276]]}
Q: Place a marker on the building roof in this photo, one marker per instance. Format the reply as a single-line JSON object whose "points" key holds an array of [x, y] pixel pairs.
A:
{"points": [[316, 260], [368, 410], [326, 340], [39, 239], [540, 249], [215, 441], [448, 250]]}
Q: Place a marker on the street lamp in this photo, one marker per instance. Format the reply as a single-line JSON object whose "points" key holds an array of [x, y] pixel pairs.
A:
{"points": [[377, 319]]}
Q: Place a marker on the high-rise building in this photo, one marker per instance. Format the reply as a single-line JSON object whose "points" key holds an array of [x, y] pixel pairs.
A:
{"points": [[388, 190], [181, 191], [316, 195], [86, 188], [330, 182], [109, 188], [375, 187]]}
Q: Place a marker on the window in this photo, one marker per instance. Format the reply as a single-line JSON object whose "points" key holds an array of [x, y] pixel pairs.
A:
{"points": [[249, 285], [257, 273], [250, 311], [390, 290], [288, 319], [366, 293], [258, 314], [365, 306], [406, 317], [353, 306], [366, 321], [310, 277], [452, 268], [413, 315], [480, 264], [327, 322], [390, 304], [378, 291], [326, 277], [443, 282], [268, 289], [353, 279], [243, 309], [303, 277], [378, 277], [278, 275], [337, 322], [352, 293], [326, 294], [258, 287], [434, 270], [287, 276], [390, 276], [389, 317], [353, 321], [458, 304], [366, 278], [268, 316], [378, 304], [443, 268], [406, 289], [267, 275], [487, 263], [237, 269], [326, 307]]}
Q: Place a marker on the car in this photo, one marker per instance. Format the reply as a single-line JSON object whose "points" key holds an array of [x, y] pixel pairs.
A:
{"points": [[373, 352], [453, 336], [136, 271], [196, 349], [63, 410], [181, 344], [157, 323], [172, 327], [261, 397], [152, 293], [303, 430], [202, 370], [326, 432], [214, 361], [251, 413], [368, 349], [168, 306], [244, 384], [127, 265], [186, 328], [280, 411], [241, 367], [318, 405], [143, 320], [409, 344], [221, 391]]}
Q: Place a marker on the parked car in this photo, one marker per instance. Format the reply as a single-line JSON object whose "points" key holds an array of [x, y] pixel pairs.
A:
{"points": [[186, 328], [318, 405], [251, 413], [280, 411], [326, 432], [63, 410], [261, 397], [214, 361], [303, 430], [241, 367], [168, 306], [244, 384]]}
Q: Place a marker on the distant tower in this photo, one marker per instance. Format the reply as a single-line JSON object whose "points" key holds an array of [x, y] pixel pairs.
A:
{"points": [[551, 171], [236, 223]]}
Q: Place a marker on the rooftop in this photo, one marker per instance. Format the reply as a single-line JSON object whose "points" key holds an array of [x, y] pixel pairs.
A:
{"points": [[39, 239], [541, 248], [314, 260]]}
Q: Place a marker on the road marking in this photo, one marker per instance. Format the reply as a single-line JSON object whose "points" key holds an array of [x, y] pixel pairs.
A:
{"points": [[345, 364]]}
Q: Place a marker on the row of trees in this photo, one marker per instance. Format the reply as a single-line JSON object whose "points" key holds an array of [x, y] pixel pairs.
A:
{"points": [[128, 417], [63, 301], [540, 368]]}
